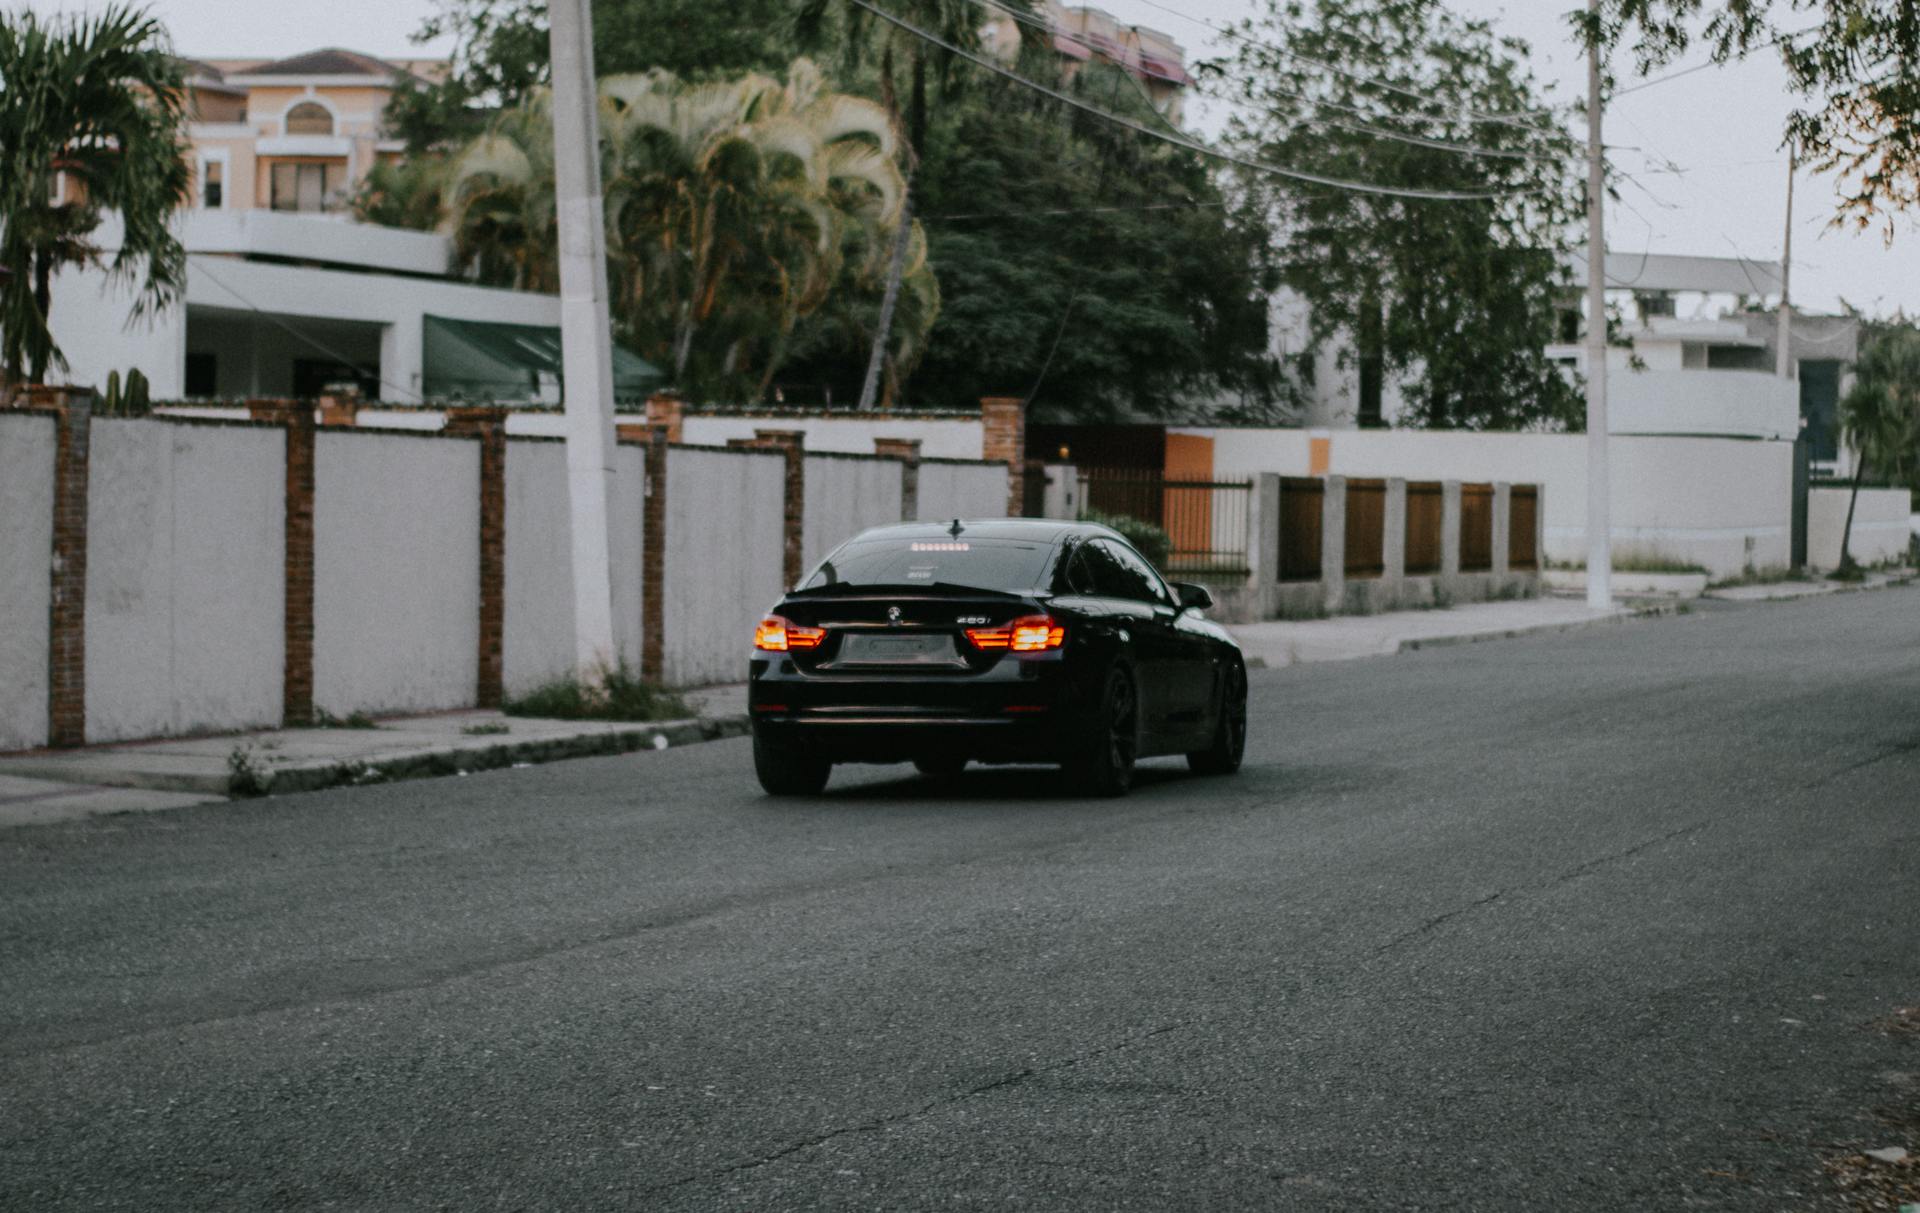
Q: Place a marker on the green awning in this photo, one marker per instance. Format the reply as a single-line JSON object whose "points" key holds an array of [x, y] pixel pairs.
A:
{"points": [[512, 363]]}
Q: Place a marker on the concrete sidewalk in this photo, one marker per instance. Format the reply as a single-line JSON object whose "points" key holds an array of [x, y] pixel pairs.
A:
{"points": [[1775, 591], [46, 785], [1345, 637]]}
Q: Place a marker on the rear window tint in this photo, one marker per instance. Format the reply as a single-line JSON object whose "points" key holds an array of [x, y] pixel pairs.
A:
{"points": [[984, 564]]}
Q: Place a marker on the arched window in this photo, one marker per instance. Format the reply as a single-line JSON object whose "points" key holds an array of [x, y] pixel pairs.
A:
{"points": [[309, 118]]}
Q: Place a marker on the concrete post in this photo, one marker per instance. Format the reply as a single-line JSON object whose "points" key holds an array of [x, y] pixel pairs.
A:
{"points": [[1263, 543], [1394, 544], [586, 330], [1502, 527], [1450, 528], [1333, 544]]}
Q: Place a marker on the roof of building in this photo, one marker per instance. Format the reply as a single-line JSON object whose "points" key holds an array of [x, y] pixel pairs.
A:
{"points": [[329, 61], [1668, 272]]}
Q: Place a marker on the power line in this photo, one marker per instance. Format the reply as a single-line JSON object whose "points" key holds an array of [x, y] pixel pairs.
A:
{"points": [[1508, 119], [1359, 187], [1359, 128]]}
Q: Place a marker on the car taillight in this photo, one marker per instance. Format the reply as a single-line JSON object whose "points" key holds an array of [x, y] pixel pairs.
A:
{"points": [[1034, 634], [777, 635]]}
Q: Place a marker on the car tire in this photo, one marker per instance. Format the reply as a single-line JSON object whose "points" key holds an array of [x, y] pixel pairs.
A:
{"points": [[1103, 763], [785, 772], [1222, 756], [940, 768]]}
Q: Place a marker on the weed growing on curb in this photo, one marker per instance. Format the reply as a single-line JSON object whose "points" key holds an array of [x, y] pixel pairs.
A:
{"points": [[616, 695], [491, 728], [245, 777], [323, 719]]}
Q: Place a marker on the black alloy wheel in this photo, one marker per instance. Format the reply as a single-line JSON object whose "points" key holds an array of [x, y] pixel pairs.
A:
{"points": [[1222, 756], [1104, 766], [785, 772]]}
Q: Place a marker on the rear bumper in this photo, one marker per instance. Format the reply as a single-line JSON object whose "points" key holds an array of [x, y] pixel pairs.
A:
{"points": [[1019, 711]]}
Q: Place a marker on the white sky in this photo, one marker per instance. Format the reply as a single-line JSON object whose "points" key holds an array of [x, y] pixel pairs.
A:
{"points": [[1721, 126]]}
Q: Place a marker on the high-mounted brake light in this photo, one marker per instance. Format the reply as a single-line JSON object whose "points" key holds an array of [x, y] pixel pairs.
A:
{"points": [[1034, 634], [777, 635]]}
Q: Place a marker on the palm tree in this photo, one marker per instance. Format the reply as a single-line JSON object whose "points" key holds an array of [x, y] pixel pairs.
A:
{"points": [[730, 207], [91, 110], [954, 22], [1880, 417]]}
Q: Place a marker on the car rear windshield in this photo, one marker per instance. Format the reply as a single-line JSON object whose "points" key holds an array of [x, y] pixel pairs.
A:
{"points": [[1009, 565]]}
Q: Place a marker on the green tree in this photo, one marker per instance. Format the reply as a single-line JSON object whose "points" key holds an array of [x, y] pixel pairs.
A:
{"points": [[1880, 416], [1105, 273], [1857, 69], [96, 100], [730, 208], [1456, 297]]}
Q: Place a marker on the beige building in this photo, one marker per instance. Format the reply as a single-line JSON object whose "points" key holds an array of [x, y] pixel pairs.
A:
{"points": [[294, 134], [1082, 35]]}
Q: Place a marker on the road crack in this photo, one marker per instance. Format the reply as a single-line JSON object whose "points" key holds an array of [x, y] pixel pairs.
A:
{"points": [[882, 1123]]}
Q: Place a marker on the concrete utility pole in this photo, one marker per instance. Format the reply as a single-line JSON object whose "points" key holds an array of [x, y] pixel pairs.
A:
{"points": [[1599, 486], [586, 331], [1783, 359]]}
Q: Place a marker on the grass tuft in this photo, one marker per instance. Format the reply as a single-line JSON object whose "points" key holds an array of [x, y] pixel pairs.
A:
{"points": [[616, 695]]}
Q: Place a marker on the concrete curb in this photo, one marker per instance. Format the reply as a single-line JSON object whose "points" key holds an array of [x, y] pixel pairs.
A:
{"points": [[1792, 591], [436, 761], [1543, 629]]}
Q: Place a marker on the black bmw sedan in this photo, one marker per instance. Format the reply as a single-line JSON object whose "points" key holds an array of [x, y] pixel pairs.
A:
{"points": [[999, 641]]}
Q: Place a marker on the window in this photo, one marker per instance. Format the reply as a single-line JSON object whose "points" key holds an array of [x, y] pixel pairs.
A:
{"points": [[1123, 573], [308, 118], [202, 375], [978, 563], [213, 184], [307, 186]]}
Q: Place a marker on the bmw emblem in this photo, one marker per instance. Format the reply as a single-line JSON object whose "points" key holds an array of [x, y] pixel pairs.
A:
{"points": [[893, 615]]}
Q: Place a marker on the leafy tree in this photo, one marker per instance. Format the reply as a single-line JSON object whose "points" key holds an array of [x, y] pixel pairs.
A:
{"points": [[730, 208], [1107, 270], [1858, 68], [1457, 297], [1880, 416], [100, 100]]}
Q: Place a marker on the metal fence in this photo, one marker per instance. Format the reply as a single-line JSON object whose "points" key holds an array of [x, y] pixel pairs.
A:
{"points": [[1207, 522]]}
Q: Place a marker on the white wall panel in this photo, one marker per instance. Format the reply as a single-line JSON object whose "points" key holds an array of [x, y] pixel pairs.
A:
{"points": [[26, 564], [725, 537]]}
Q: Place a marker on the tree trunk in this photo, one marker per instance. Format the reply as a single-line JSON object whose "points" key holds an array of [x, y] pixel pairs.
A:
{"points": [[42, 304], [896, 266], [1846, 533]]}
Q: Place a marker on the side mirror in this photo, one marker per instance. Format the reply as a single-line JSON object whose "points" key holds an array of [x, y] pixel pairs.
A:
{"points": [[1192, 597]]}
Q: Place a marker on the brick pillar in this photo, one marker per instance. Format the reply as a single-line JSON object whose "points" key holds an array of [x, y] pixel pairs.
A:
{"points": [[341, 407], [793, 444], [1333, 544], [907, 450], [489, 425], [297, 621], [67, 613], [653, 561], [1003, 439], [669, 410]]}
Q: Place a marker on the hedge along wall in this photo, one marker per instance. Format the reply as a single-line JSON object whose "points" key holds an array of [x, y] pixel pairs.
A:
{"points": [[846, 494], [186, 578], [396, 575], [724, 548], [951, 490], [537, 645], [26, 556]]}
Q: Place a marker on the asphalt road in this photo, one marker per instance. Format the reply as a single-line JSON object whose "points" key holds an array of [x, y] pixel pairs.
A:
{"points": [[1598, 920]]}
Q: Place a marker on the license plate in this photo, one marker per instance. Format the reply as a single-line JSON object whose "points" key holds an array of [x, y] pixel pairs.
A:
{"points": [[863, 648]]}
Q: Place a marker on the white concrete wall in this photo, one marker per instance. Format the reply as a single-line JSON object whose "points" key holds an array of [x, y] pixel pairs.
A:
{"points": [[537, 646], [1722, 503], [940, 437], [186, 578], [725, 536], [396, 569], [92, 319], [1738, 404], [844, 497], [26, 567], [962, 490], [1881, 526]]}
